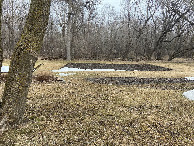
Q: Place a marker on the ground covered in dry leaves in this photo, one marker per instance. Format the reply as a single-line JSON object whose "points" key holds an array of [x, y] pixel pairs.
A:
{"points": [[81, 112]]}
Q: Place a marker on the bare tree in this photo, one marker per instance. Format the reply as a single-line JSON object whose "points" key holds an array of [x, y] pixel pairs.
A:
{"points": [[181, 26], [22, 63], [69, 29], [157, 30], [14, 15], [1, 48]]}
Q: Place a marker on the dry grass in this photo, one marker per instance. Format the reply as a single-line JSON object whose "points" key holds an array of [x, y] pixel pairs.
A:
{"points": [[78, 112]]}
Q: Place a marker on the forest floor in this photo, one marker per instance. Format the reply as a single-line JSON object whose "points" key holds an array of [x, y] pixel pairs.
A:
{"points": [[107, 108]]}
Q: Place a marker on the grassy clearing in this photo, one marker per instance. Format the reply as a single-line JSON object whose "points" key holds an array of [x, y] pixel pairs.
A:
{"points": [[78, 112]]}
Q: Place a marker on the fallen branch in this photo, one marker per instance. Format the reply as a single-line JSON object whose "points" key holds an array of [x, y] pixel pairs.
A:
{"points": [[37, 67]]}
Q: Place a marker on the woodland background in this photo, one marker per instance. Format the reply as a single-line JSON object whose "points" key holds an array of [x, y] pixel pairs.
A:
{"points": [[79, 29]]}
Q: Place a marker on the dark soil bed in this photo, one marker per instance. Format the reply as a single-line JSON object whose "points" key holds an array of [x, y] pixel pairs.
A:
{"points": [[164, 83], [127, 67]]}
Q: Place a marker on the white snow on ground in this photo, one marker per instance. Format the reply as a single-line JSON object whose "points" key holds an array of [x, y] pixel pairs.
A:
{"points": [[190, 78], [4, 68], [189, 94], [66, 69], [122, 70], [63, 74]]}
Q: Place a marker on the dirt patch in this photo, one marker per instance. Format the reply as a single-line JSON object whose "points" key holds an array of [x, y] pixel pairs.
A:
{"points": [[45, 78], [164, 83], [127, 67]]}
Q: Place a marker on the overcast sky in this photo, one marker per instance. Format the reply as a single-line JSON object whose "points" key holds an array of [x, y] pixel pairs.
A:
{"points": [[115, 3]]}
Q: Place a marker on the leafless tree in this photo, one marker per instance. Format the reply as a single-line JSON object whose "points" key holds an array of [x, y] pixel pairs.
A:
{"points": [[22, 64], [1, 48]]}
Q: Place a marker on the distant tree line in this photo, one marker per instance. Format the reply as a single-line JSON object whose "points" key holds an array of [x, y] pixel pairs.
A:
{"points": [[143, 30]]}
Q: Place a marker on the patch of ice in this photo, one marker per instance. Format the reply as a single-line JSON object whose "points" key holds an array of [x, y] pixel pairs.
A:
{"points": [[189, 94], [4, 68], [63, 74], [66, 69], [190, 78]]}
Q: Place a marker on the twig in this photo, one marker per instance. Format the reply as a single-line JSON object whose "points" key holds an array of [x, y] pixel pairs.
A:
{"points": [[37, 67]]}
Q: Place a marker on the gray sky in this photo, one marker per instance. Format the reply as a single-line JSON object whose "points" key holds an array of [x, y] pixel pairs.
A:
{"points": [[115, 3]]}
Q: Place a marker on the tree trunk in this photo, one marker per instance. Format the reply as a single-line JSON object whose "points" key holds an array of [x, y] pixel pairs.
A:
{"points": [[12, 31], [23, 61], [69, 31], [1, 48]]}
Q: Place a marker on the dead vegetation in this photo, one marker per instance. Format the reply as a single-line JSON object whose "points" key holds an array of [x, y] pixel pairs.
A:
{"points": [[79, 112], [45, 78]]}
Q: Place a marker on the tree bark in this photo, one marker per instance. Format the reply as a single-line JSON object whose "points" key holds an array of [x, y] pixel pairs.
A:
{"points": [[22, 63], [1, 48], [69, 31]]}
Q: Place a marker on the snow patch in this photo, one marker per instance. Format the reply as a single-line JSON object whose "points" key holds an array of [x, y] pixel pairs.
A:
{"points": [[68, 74], [189, 94], [5, 69], [120, 70], [190, 78], [66, 69]]}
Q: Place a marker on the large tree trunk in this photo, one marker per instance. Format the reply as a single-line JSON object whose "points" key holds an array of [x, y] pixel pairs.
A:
{"points": [[23, 61], [1, 48]]}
